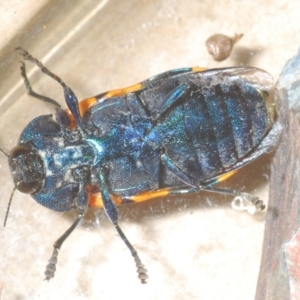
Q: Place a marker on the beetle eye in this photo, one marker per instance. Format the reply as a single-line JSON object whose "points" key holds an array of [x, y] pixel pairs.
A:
{"points": [[19, 150], [29, 187]]}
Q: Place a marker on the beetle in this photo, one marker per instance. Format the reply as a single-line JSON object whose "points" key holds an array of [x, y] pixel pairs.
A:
{"points": [[178, 132]]}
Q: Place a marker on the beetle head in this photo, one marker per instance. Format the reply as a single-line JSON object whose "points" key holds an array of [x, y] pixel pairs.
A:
{"points": [[27, 169]]}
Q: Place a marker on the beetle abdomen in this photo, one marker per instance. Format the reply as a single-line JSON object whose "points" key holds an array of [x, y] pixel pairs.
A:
{"points": [[215, 124], [205, 122]]}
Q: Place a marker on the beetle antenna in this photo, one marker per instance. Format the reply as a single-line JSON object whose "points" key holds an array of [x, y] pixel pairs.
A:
{"points": [[27, 56], [8, 207], [7, 155]]}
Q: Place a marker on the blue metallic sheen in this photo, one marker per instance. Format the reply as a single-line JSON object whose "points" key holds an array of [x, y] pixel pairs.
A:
{"points": [[180, 129]]}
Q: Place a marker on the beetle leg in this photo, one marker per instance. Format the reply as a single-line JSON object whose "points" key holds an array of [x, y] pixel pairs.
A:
{"points": [[51, 267], [70, 96], [81, 205], [72, 103], [30, 92], [168, 163], [241, 201], [169, 100], [113, 215]]}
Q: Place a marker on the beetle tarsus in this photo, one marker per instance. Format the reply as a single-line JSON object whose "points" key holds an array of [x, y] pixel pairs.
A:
{"points": [[142, 271], [140, 268], [29, 57], [51, 267], [248, 202], [32, 93]]}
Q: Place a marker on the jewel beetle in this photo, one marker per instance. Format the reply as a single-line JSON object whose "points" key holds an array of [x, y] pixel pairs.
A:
{"points": [[178, 132]]}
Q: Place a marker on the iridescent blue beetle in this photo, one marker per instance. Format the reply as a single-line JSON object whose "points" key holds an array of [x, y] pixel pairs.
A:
{"points": [[178, 132]]}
